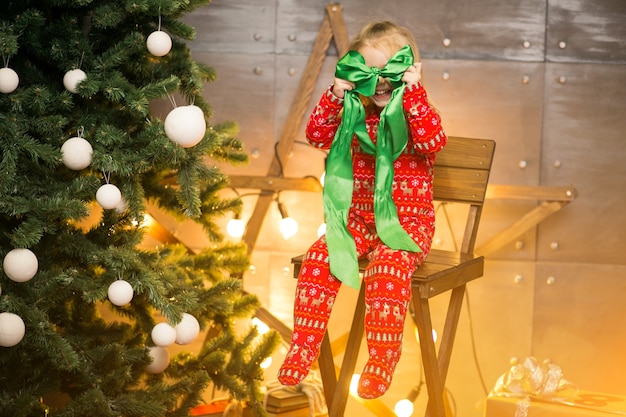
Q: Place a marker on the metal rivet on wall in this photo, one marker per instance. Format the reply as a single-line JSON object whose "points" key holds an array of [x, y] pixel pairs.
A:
{"points": [[562, 79], [258, 70], [557, 164], [551, 281], [522, 164], [292, 37], [257, 37], [519, 245], [446, 42], [562, 44], [554, 245], [291, 71], [526, 44], [445, 75], [525, 79], [518, 279], [255, 153], [252, 269]]}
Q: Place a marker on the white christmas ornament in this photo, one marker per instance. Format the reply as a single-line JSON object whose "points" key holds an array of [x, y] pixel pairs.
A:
{"points": [[163, 334], [9, 80], [20, 265], [160, 360], [185, 125], [108, 196], [76, 153], [159, 43], [72, 78], [12, 329], [120, 292], [187, 330]]}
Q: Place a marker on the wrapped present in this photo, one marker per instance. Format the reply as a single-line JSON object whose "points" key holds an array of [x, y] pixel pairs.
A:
{"points": [[533, 389], [305, 399], [221, 408]]}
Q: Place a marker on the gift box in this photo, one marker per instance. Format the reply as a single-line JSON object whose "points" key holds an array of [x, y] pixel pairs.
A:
{"points": [[305, 399], [582, 404], [534, 389]]}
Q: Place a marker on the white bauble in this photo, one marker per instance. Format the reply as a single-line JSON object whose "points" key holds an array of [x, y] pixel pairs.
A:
{"points": [[163, 334], [12, 329], [185, 125], [9, 80], [120, 292], [72, 78], [159, 43], [187, 330], [160, 360], [77, 153], [20, 265], [108, 196]]}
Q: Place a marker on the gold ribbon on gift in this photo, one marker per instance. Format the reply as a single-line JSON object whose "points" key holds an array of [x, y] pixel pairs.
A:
{"points": [[541, 382]]}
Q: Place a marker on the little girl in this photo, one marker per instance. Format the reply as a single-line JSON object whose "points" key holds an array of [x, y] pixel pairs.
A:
{"points": [[383, 135]]}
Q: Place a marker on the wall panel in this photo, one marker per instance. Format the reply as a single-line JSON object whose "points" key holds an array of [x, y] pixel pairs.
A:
{"points": [[584, 145], [478, 29], [579, 323], [245, 26], [586, 31]]}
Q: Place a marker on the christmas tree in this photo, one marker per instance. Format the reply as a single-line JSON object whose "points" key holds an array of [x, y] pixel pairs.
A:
{"points": [[86, 311]]}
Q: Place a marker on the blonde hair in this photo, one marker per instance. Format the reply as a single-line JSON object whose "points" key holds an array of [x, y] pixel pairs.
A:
{"points": [[385, 36]]}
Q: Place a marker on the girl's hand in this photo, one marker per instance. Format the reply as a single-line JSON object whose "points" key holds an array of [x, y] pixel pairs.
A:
{"points": [[413, 74], [341, 86]]}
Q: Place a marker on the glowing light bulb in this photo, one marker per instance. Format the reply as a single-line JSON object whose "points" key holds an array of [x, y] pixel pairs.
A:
{"points": [[403, 408], [354, 383], [288, 227], [266, 363], [235, 227], [261, 327]]}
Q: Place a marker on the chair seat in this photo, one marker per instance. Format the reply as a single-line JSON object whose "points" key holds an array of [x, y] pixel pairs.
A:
{"points": [[441, 271]]}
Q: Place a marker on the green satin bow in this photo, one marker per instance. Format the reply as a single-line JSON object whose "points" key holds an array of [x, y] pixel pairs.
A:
{"points": [[390, 142]]}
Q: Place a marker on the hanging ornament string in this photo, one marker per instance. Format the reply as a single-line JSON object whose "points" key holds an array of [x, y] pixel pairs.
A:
{"points": [[170, 98], [391, 140], [106, 172]]}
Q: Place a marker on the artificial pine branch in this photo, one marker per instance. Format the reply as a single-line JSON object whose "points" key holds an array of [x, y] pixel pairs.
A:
{"points": [[81, 354]]}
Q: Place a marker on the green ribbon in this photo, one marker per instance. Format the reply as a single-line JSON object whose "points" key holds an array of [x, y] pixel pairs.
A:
{"points": [[390, 142]]}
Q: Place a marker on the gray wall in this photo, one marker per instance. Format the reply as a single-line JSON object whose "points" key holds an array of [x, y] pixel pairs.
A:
{"points": [[547, 81]]}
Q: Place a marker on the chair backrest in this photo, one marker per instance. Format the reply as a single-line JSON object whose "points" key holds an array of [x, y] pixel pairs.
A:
{"points": [[461, 175]]}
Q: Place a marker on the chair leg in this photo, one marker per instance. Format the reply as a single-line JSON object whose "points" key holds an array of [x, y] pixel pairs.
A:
{"points": [[338, 404], [434, 382], [449, 330], [326, 364], [436, 366]]}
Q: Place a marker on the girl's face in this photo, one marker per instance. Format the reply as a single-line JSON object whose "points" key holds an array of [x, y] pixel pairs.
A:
{"points": [[377, 58]]}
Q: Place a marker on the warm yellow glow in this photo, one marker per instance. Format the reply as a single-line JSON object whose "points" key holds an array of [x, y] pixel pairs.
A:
{"points": [[288, 227], [235, 228], [261, 327], [266, 363], [148, 221], [321, 230], [354, 383], [403, 408]]}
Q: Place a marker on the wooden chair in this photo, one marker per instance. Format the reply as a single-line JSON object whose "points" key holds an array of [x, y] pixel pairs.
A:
{"points": [[461, 176]]}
